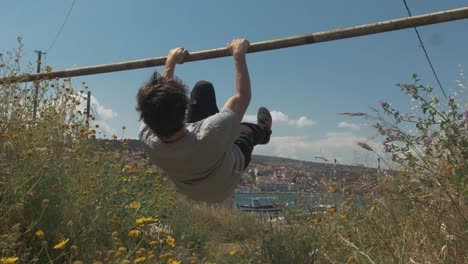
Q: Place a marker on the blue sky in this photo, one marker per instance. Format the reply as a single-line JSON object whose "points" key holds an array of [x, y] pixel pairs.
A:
{"points": [[306, 86]]}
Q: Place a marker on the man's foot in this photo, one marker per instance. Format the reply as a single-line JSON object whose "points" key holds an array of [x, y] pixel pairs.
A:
{"points": [[264, 117]]}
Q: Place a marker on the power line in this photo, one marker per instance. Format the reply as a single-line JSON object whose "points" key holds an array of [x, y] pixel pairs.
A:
{"points": [[425, 52], [95, 113], [61, 28]]}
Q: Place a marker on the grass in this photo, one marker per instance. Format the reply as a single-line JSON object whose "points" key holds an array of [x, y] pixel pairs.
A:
{"points": [[68, 196]]}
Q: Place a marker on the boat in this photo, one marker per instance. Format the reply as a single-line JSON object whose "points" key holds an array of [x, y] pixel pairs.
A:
{"points": [[261, 205]]}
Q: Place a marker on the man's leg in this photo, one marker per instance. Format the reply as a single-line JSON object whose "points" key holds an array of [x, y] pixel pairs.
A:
{"points": [[202, 102], [254, 134]]}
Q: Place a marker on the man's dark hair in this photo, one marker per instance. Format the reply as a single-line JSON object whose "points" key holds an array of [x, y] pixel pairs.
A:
{"points": [[162, 104]]}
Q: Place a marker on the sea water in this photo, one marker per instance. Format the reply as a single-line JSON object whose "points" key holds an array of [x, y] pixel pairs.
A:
{"points": [[292, 201]]}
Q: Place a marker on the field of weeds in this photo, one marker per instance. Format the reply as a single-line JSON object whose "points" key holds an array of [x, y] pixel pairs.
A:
{"points": [[68, 196]]}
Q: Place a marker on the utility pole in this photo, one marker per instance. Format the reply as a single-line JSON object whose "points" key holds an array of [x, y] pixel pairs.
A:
{"points": [[334, 170], [378, 169], [88, 106], [36, 94]]}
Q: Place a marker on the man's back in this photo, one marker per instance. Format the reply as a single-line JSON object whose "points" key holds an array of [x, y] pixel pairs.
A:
{"points": [[205, 164]]}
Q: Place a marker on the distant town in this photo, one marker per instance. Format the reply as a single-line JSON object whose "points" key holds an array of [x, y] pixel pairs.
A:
{"points": [[275, 174]]}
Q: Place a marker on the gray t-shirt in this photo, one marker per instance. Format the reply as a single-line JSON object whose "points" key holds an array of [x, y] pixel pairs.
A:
{"points": [[205, 164]]}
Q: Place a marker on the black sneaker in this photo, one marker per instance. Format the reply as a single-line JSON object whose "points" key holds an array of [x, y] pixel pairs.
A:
{"points": [[264, 117]]}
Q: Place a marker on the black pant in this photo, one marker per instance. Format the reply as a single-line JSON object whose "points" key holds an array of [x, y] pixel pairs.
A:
{"points": [[203, 104]]}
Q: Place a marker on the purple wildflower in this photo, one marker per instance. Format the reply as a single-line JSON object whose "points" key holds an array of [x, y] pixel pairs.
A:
{"points": [[391, 137], [406, 116], [388, 149], [429, 139], [461, 201], [383, 103], [451, 97]]}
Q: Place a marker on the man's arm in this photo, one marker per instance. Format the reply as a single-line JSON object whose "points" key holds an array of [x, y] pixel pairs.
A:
{"points": [[174, 57], [240, 101]]}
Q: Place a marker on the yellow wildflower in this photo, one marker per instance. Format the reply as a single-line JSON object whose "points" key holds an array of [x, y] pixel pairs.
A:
{"points": [[61, 244], [122, 250], [331, 210], [125, 261], [8, 260], [331, 189], [77, 262], [153, 243], [424, 196], [134, 233], [141, 259], [73, 248], [39, 233], [170, 241], [194, 260], [171, 261], [144, 220], [165, 255], [114, 136], [232, 253], [135, 205], [449, 169], [45, 202], [351, 259]]}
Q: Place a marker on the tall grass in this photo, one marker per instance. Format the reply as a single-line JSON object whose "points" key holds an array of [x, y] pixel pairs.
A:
{"points": [[69, 196], [66, 196]]}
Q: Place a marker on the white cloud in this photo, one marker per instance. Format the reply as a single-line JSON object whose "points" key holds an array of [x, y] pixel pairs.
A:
{"points": [[340, 146], [303, 121], [102, 112], [352, 126], [281, 118], [250, 118]]}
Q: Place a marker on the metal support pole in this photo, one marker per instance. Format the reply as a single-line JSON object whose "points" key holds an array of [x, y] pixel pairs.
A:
{"points": [[36, 93], [350, 32], [88, 105]]}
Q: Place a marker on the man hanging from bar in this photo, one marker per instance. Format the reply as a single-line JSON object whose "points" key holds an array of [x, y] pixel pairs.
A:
{"points": [[202, 150]]}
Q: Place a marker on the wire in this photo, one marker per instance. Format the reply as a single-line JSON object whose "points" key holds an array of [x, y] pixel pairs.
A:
{"points": [[425, 52], [95, 113], [61, 28]]}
